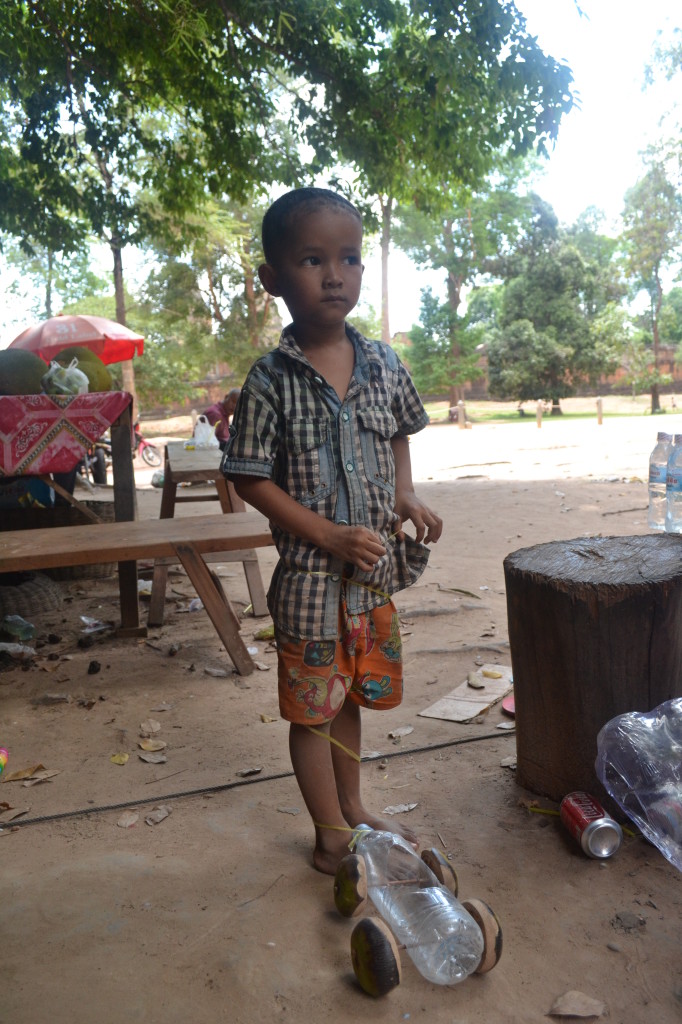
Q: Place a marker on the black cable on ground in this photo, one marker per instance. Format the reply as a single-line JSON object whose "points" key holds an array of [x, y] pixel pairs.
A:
{"points": [[82, 812]]}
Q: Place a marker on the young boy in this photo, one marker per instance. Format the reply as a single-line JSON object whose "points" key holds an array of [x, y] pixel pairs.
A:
{"points": [[319, 444]]}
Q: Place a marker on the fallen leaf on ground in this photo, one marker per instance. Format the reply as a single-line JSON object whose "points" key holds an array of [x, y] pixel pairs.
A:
{"points": [[52, 698], [245, 772], [157, 815], [508, 762], [576, 1004], [403, 730], [152, 757], [217, 673], [490, 674], [162, 707], [266, 718], [152, 745], [267, 633], [289, 810], [262, 666], [399, 808], [128, 819], [44, 776], [119, 758], [149, 727], [23, 773]]}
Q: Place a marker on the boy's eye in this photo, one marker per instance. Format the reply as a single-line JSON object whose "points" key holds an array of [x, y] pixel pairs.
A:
{"points": [[310, 261], [352, 260]]}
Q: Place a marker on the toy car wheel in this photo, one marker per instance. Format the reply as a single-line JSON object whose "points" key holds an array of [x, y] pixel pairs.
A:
{"points": [[350, 885], [442, 869], [492, 933], [375, 956]]}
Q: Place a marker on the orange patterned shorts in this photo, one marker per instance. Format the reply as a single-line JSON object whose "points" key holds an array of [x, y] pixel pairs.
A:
{"points": [[365, 666]]}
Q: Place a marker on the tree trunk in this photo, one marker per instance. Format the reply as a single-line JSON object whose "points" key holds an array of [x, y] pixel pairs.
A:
{"points": [[655, 392], [454, 292], [556, 408], [127, 372], [594, 633], [386, 215], [48, 284]]}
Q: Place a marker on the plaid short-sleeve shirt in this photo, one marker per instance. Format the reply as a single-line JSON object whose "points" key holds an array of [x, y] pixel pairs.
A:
{"points": [[335, 458]]}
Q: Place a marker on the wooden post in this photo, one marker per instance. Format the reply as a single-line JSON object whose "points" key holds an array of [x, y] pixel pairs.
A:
{"points": [[538, 414], [594, 633], [461, 415], [600, 410]]}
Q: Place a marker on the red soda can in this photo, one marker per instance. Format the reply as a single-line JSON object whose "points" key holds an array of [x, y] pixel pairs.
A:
{"points": [[587, 821]]}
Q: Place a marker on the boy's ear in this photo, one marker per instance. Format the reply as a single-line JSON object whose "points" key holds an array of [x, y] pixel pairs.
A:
{"points": [[268, 278]]}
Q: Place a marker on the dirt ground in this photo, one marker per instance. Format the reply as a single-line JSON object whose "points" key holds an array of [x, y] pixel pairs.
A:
{"points": [[214, 913]]}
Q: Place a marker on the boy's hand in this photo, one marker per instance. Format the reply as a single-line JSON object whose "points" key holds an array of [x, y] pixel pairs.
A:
{"points": [[356, 544], [428, 524]]}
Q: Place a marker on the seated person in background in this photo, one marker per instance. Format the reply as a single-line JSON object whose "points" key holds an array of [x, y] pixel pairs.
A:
{"points": [[221, 415]]}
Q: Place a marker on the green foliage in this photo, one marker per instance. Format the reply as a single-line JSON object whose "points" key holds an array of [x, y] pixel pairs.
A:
{"points": [[443, 348]]}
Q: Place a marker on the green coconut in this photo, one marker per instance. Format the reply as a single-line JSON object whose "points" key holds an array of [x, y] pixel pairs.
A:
{"points": [[99, 378], [20, 372]]}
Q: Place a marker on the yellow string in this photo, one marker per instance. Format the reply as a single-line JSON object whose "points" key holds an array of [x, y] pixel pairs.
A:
{"points": [[327, 736]]}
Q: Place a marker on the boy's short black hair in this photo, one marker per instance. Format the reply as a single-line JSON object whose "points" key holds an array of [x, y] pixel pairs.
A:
{"points": [[280, 217]]}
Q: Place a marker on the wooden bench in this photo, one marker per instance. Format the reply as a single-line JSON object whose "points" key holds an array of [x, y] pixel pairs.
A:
{"points": [[185, 539]]}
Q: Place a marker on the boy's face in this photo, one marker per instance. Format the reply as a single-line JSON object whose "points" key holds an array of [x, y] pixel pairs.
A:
{"points": [[319, 268]]}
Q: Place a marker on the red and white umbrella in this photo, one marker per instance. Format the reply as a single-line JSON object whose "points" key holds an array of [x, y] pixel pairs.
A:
{"points": [[111, 341]]}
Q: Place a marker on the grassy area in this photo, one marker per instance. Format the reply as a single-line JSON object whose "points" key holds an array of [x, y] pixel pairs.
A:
{"points": [[572, 408]]}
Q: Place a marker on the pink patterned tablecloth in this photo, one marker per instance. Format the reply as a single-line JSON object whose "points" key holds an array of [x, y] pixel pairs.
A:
{"points": [[51, 433]]}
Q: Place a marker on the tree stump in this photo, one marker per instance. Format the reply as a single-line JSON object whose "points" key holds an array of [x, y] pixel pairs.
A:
{"points": [[595, 630]]}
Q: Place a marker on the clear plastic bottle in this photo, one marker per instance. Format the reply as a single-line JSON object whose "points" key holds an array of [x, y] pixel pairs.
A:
{"points": [[658, 471], [440, 936], [673, 488]]}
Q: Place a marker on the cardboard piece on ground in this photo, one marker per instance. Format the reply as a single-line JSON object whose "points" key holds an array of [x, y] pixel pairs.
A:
{"points": [[465, 702]]}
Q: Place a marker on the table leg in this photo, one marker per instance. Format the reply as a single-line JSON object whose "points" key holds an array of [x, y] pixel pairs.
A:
{"points": [[157, 603], [217, 605], [125, 509], [231, 502]]}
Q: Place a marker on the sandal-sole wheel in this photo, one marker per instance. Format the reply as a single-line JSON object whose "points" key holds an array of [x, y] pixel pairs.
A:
{"points": [[492, 933], [375, 956], [442, 869], [350, 885]]}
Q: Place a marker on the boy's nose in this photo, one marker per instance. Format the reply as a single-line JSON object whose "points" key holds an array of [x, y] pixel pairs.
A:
{"points": [[332, 277]]}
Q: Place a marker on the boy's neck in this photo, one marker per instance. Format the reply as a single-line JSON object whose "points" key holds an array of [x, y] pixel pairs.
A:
{"points": [[311, 339], [331, 353]]}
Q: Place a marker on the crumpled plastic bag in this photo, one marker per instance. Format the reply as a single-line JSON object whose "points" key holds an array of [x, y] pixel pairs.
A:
{"points": [[65, 380], [204, 434], [639, 761]]}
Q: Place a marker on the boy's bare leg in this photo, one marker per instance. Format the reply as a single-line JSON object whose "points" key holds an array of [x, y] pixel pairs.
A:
{"points": [[311, 757], [346, 729]]}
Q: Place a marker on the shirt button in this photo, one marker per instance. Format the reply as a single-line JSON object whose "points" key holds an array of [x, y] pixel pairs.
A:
{"points": [[344, 416], [350, 467], [343, 522], [318, 380], [336, 578]]}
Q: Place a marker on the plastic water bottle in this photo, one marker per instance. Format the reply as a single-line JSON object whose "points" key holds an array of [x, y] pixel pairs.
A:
{"points": [[440, 936], [673, 488], [658, 472]]}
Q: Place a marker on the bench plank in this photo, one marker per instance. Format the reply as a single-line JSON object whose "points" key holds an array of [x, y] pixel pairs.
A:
{"points": [[53, 547]]}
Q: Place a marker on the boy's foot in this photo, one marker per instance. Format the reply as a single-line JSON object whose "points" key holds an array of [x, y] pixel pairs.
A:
{"points": [[328, 857]]}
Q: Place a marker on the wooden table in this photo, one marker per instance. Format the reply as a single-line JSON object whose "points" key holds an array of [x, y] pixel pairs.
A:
{"points": [[45, 434], [196, 466]]}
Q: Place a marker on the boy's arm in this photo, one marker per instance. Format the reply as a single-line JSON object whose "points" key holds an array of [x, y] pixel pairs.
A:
{"points": [[407, 505], [354, 544]]}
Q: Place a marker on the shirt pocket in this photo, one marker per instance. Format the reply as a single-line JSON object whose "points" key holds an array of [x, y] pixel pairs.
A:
{"points": [[377, 427], [311, 476]]}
